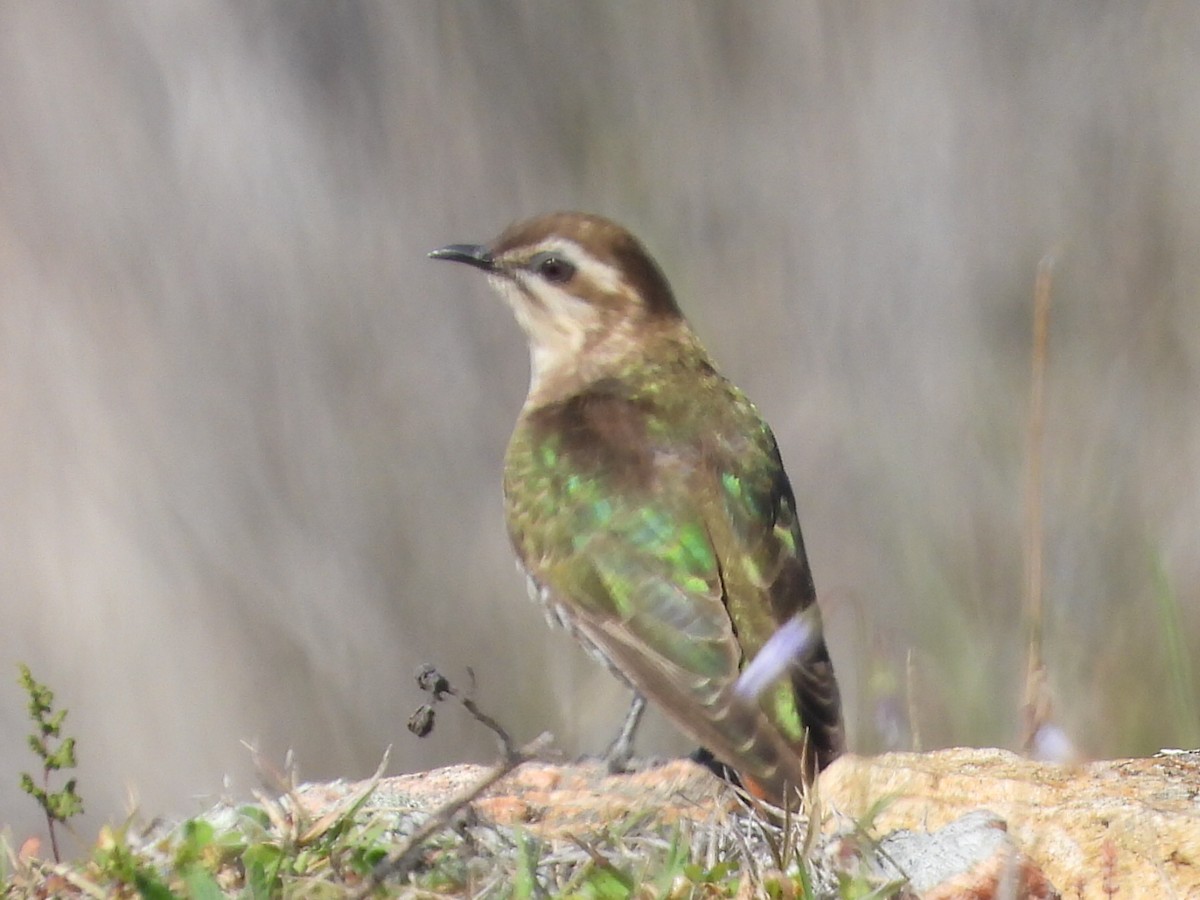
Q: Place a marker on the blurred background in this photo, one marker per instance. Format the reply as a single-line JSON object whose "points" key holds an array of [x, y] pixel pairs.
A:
{"points": [[251, 439]]}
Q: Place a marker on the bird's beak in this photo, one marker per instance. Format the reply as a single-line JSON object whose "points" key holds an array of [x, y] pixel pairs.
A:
{"points": [[471, 254]]}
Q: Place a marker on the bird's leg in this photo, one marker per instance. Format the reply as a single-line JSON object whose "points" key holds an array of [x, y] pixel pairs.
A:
{"points": [[620, 751]]}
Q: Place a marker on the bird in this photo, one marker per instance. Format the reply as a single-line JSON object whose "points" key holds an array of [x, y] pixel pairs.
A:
{"points": [[647, 503]]}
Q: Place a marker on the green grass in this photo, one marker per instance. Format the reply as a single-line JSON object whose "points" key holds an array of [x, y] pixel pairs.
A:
{"points": [[264, 850], [280, 847], [1185, 702]]}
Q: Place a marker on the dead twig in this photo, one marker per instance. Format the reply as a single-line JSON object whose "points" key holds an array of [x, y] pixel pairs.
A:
{"points": [[402, 860], [1036, 706]]}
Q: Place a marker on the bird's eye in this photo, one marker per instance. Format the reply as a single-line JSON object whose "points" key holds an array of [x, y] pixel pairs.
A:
{"points": [[553, 267]]}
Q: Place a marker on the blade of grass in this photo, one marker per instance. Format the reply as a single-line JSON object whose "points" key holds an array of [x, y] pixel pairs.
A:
{"points": [[1181, 673]]}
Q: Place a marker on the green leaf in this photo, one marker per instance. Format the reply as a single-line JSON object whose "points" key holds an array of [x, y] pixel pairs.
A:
{"points": [[63, 757], [262, 863], [525, 878], [65, 803], [255, 814], [606, 883], [675, 864], [29, 786], [197, 836], [806, 888], [150, 886], [201, 885], [52, 727]]}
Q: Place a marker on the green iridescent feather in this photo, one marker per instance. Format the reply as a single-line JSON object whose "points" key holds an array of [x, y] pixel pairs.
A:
{"points": [[654, 507]]}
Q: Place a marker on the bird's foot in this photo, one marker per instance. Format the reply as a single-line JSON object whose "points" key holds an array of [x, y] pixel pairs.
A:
{"points": [[704, 757]]}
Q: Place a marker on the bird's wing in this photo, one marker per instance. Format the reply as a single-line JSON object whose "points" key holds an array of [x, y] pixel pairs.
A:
{"points": [[757, 536], [677, 566], [648, 592]]}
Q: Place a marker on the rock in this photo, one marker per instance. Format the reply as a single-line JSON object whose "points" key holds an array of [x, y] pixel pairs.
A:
{"points": [[551, 800], [971, 857], [1122, 827], [957, 823]]}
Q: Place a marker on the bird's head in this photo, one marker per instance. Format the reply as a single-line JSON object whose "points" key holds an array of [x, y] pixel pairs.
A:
{"points": [[584, 289]]}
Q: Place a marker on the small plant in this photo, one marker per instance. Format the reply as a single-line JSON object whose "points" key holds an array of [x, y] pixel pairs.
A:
{"points": [[59, 806]]}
